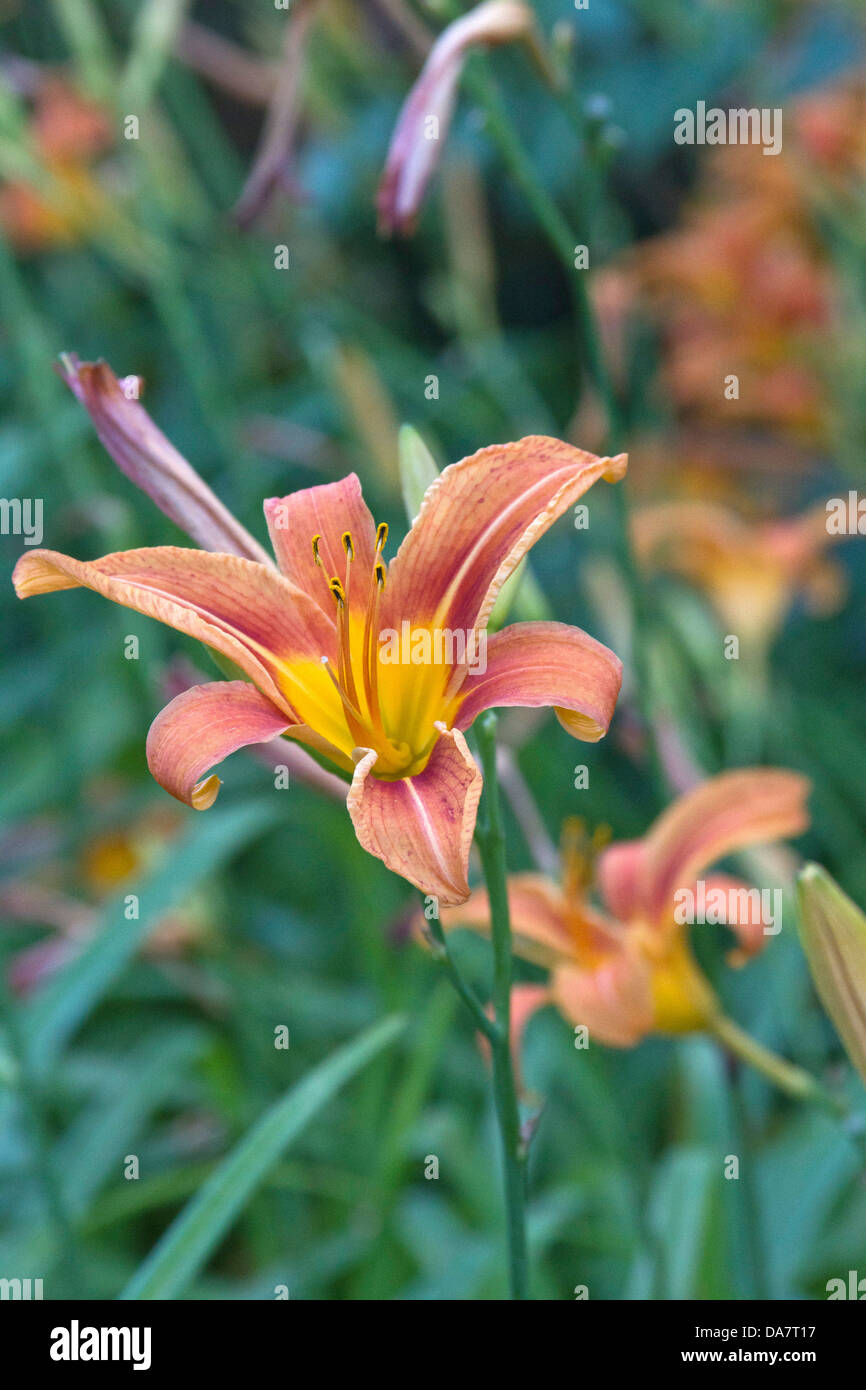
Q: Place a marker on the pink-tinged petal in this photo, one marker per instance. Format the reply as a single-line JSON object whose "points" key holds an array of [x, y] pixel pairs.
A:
{"points": [[414, 151], [327, 511], [614, 1001], [203, 726], [619, 870], [477, 521], [181, 675], [526, 1000], [537, 912], [743, 913], [421, 827], [535, 664], [747, 807], [32, 966], [143, 453], [247, 612]]}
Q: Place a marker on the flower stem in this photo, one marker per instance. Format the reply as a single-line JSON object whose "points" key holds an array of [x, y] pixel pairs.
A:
{"points": [[441, 951], [490, 835], [793, 1080]]}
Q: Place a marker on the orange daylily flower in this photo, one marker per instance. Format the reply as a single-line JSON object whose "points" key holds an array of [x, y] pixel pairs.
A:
{"points": [[68, 132], [307, 634], [67, 896], [751, 571], [625, 968]]}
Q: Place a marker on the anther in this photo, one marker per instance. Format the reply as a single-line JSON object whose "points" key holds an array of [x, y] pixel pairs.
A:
{"points": [[316, 540], [337, 590], [381, 536], [348, 545], [380, 575]]}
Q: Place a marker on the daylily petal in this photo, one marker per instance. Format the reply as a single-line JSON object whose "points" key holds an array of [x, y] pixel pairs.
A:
{"points": [[747, 807], [249, 613], [742, 913], [537, 664], [143, 453], [477, 521], [326, 511], [413, 154], [526, 1000], [614, 1001], [200, 728], [421, 827], [618, 871], [537, 912]]}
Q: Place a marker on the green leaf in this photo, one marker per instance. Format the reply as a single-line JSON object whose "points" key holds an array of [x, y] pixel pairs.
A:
{"points": [[418, 469], [204, 1221]]}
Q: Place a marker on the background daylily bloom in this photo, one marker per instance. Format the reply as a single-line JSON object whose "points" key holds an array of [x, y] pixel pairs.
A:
{"points": [[68, 132], [306, 636], [751, 571], [415, 148], [625, 969]]}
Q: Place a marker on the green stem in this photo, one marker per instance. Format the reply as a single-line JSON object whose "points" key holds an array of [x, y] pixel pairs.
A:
{"points": [[793, 1080], [442, 952], [491, 842]]}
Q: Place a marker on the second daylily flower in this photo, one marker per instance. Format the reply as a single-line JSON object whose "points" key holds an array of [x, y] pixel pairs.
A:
{"points": [[306, 635], [626, 969]]}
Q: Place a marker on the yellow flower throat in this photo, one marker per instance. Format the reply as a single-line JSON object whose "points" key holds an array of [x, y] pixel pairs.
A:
{"points": [[363, 702]]}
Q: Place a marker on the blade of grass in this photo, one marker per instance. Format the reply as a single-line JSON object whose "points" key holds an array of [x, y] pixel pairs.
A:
{"points": [[58, 1010], [193, 1236]]}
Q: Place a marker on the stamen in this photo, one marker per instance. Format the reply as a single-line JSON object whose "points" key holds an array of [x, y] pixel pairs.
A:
{"points": [[316, 542], [346, 674], [371, 657], [354, 718], [348, 545], [381, 536]]}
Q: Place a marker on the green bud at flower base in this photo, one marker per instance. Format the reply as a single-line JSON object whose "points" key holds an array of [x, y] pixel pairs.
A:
{"points": [[833, 933]]}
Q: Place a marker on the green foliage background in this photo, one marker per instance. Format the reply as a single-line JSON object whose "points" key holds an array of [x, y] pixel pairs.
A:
{"points": [[173, 1060]]}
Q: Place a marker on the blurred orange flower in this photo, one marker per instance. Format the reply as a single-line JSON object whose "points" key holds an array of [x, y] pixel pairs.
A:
{"points": [[752, 571], [743, 286], [67, 896], [626, 969], [67, 133]]}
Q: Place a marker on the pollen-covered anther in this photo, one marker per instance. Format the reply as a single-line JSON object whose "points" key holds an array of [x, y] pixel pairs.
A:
{"points": [[336, 587], [348, 545], [381, 536], [316, 543]]}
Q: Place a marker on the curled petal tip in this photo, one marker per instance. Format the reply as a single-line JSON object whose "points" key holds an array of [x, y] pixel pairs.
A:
{"points": [[617, 468], [205, 793]]}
